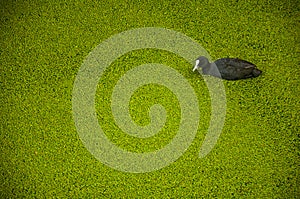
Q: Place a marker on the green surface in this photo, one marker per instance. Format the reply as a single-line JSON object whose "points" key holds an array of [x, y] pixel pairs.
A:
{"points": [[43, 44]]}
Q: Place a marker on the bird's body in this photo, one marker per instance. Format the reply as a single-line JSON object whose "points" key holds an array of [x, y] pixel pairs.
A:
{"points": [[228, 68]]}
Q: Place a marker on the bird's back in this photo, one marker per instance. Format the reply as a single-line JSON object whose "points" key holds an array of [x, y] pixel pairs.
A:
{"points": [[234, 68]]}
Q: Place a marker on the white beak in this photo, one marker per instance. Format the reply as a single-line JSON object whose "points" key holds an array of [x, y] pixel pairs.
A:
{"points": [[196, 66]]}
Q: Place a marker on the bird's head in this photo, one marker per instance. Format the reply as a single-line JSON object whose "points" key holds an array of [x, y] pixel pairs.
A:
{"points": [[201, 62]]}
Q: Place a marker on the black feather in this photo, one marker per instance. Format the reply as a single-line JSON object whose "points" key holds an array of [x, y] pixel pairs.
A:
{"points": [[229, 68]]}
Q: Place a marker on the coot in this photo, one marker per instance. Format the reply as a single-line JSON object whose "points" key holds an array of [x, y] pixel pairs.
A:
{"points": [[227, 68]]}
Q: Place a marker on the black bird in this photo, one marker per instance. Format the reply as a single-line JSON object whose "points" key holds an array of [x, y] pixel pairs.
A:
{"points": [[227, 68]]}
